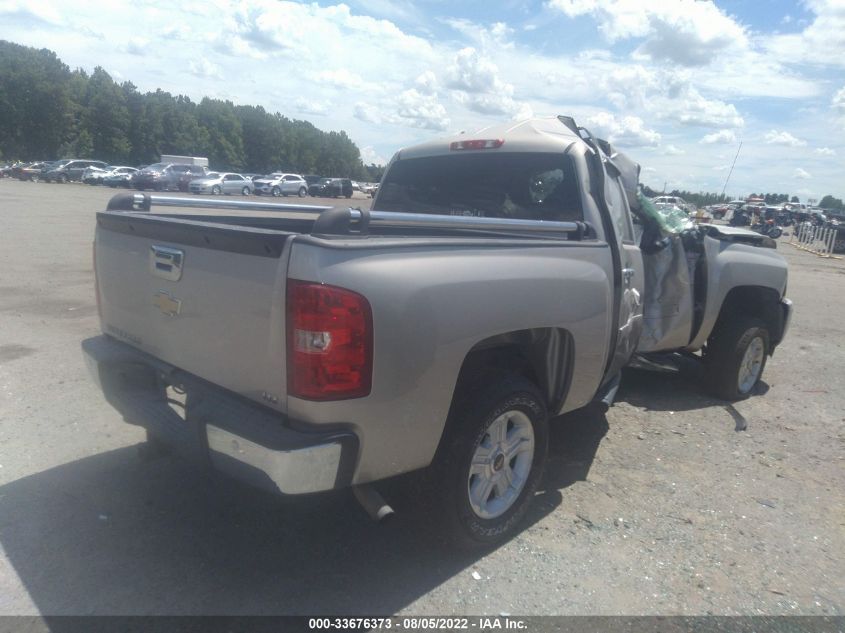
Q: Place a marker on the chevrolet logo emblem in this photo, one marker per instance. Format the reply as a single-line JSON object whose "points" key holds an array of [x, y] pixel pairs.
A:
{"points": [[167, 304]]}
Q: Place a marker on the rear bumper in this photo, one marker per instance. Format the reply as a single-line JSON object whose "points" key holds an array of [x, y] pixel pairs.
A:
{"points": [[218, 429]]}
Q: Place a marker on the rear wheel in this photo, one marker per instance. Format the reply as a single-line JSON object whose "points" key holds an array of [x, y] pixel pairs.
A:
{"points": [[491, 460], [216, 190], [277, 192], [736, 357], [245, 191], [303, 192]]}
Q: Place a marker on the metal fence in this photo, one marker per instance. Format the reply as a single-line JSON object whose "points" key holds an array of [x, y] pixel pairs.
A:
{"points": [[814, 239]]}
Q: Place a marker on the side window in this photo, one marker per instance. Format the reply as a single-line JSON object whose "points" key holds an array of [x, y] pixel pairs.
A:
{"points": [[619, 211]]}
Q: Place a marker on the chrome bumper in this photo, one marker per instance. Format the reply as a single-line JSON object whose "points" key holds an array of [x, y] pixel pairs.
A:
{"points": [[235, 436], [294, 472]]}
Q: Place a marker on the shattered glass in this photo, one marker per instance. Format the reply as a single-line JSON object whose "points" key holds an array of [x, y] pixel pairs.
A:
{"points": [[671, 219]]}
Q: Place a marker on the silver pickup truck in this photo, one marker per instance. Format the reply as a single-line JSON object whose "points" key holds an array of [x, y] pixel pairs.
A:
{"points": [[499, 280]]}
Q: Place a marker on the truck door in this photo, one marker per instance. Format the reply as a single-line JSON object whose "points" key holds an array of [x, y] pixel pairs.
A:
{"points": [[629, 282]]}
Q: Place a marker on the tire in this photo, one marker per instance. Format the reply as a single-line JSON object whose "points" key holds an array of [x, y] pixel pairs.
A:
{"points": [[775, 233], [303, 192], [276, 192], [245, 191], [216, 190], [507, 402], [733, 367]]}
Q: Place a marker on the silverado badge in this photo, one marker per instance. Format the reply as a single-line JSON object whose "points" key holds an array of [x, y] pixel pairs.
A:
{"points": [[166, 303]]}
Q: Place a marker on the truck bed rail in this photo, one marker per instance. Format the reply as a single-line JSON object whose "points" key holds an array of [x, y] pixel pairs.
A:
{"points": [[347, 221]]}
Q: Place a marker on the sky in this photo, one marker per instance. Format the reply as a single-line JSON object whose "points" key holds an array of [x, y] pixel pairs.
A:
{"points": [[676, 84]]}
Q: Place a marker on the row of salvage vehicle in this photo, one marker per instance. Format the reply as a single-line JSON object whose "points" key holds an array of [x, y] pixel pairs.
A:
{"points": [[196, 179]]}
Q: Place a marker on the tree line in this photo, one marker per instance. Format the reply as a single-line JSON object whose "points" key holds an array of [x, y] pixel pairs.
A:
{"points": [[49, 111]]}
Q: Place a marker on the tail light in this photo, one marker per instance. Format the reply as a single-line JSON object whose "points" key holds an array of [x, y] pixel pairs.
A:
{"points": [[330, 342]]}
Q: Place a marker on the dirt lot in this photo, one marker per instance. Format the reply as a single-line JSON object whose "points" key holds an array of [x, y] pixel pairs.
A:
{"points": [[660, 507]]}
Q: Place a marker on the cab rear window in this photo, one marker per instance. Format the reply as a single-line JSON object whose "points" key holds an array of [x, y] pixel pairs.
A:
{"points": [[539, 186]]}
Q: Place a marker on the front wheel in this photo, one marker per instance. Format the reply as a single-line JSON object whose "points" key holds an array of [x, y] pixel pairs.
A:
{"points": [[303, 192], [276, 192], [216, 190], [491, 460], [245, 191], [736, 357]]}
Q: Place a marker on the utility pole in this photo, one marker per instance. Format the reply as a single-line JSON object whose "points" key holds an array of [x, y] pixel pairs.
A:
{"points": [[732, 168]]}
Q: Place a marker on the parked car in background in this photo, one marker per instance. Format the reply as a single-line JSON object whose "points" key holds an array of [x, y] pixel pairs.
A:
{"points": [[222, 183], [191, 172], [70, 170], [332, 188], [96, 175], [166, 176], [369, 188], [119, 177], [29, 171], [677, 201], [281, 184]]}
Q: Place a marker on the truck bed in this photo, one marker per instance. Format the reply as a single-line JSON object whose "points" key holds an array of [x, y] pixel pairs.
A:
{"points": [[437, 290]]}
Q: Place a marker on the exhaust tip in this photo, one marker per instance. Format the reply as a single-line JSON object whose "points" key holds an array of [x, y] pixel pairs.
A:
{"points": [[373, 503]]}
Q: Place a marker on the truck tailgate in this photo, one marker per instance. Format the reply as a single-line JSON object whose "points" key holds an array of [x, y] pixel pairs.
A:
{"points": [[209, 299]]}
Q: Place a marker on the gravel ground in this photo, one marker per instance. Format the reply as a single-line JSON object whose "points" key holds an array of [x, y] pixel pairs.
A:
{"points": [[661, 506]]}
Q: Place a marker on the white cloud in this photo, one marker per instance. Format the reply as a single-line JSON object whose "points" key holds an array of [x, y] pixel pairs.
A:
{"points": [[774, 137], [369, 156], [821, 42], [30, 11], [479, 88], [687, 106], [313, 33], [366, 112], [685, 32], [801, 174], [342, 78], [313, 106], [423, 111], [495, 36], [825, 151], [410, 108], [204, 68], [426, 83], [666, 93], [838, 101], [138, 46], [722, 137], [671, 150], [628, 131]]}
